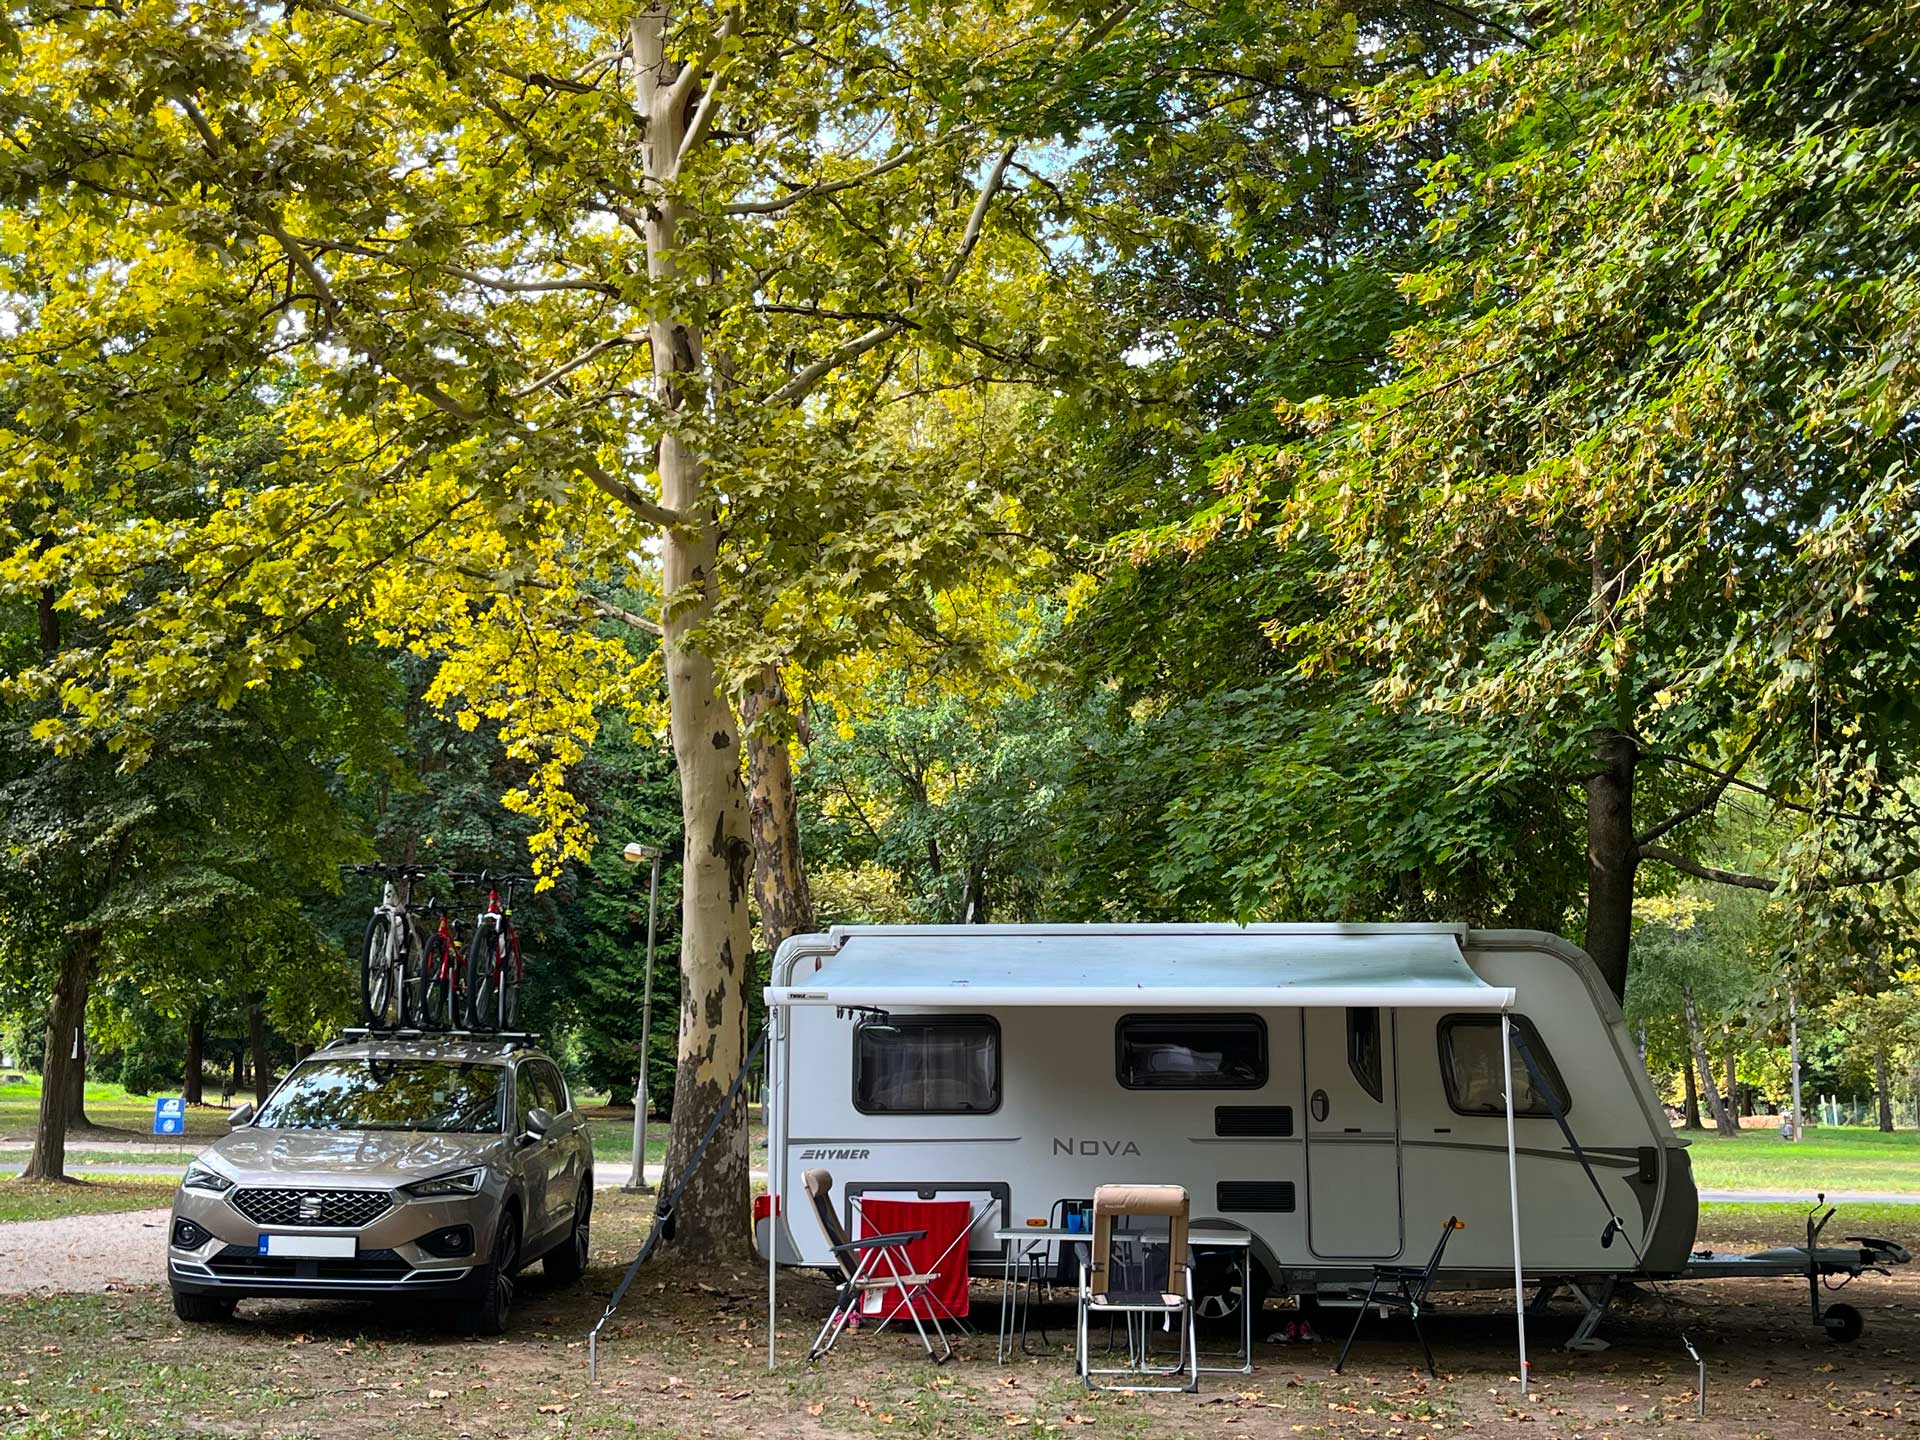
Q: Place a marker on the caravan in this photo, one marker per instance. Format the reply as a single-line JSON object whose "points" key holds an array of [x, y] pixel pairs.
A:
{"points": [[1336, 1091]]}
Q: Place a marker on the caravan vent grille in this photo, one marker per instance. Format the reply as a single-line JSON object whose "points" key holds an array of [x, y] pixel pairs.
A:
{"points": [[1237, 1120], [1264, 1196]]}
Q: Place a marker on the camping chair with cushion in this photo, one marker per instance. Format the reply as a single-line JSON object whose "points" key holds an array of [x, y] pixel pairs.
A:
{"points": [[1147, 1280], [866, 1265], [1413, 1285]]}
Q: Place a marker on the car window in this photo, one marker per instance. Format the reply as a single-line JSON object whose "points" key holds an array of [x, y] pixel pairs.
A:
{"points": [[554, 1087], [526, 1097], [358, 1093]]}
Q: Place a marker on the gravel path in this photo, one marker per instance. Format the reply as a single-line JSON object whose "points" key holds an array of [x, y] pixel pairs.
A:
{"points": [[83, 1254]]}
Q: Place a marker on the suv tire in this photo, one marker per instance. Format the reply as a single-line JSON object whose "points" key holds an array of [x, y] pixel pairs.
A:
{"points": [[567, 1262], [201, 1309], [490, 1313]]}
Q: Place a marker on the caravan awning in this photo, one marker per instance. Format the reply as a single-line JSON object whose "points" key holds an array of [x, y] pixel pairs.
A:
{"points": [[1144, 968]]}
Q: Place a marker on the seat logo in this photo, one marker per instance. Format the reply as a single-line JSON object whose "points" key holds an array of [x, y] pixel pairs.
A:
{"points": [[311, 1208]]}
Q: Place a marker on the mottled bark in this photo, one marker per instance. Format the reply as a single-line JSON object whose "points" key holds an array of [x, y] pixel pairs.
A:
{"points": [[1722, 1121], [779, 869], [48, 1158], [193, 1077], [1883, 1088], [716, 937], [1733, 1074], [1612, 857]]}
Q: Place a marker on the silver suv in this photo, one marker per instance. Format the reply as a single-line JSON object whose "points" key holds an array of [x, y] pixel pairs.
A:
{"points": [[435, 1168]]}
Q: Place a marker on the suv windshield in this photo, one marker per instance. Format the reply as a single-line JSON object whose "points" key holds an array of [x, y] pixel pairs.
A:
{"points": [[364, 1094]]}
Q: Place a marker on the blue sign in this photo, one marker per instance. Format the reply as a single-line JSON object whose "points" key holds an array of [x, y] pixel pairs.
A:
{"points": [[169, 1115]]}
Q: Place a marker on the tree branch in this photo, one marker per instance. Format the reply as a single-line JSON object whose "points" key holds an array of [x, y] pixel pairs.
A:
{"points": [[1709, 800], [801, 383], [625, 617], [1707, 872], [824, 187], [585, 357], [616, 488], [978, 219]]}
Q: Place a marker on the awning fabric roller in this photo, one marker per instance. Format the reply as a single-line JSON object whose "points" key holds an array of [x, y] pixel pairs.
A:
{"points": [[1210, 968]]}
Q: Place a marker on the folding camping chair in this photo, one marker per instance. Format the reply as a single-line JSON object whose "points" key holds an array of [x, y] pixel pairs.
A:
{"points": [[1413, 1284], [869, 1264], [1140, 1285]]}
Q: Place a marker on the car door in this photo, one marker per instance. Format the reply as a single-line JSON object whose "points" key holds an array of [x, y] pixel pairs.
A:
{"points": [[564, 1166], [530, 1156]]}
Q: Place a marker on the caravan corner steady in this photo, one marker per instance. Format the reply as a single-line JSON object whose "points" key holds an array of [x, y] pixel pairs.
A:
{"points": [[1337, 1091]]}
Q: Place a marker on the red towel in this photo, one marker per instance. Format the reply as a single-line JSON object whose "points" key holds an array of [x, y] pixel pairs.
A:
{"points": [[942, 1252]]}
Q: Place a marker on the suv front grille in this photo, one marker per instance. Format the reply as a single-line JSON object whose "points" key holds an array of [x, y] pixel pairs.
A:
{"points": [[236, 1262], [339, 1209]]}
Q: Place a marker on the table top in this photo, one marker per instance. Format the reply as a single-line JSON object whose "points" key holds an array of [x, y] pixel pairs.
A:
{"points": [[1214, 1239]]}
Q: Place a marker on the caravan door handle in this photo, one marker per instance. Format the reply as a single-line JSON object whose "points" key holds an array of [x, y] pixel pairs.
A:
{"points": [[1318, 1107]]}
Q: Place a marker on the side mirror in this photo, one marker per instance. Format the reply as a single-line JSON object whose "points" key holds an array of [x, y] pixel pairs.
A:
{"points": [[539, 1122], [239, 1118]]}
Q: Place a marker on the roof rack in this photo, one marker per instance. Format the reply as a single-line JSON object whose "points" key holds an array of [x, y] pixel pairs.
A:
{"points": [[507, 1039]]}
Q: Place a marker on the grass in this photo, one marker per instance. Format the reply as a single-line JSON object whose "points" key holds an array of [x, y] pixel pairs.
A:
{"points": [[1830, 1158], [109, 1107], [686, 1357], [100, 1195]]}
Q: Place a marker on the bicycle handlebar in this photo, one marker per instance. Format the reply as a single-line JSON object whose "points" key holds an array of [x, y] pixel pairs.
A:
{"points": [[487, 877], [388, 872]]}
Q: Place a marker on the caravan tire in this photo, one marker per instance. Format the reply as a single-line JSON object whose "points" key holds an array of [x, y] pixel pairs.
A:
{"points": [[1843, 1324], [1218, 1301]]}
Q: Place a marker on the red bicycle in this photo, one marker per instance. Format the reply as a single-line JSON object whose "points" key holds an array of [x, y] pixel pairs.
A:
{"points": [[494, 968], [444, 975]]}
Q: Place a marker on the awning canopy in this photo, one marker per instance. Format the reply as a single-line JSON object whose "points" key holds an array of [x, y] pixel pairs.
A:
{"points": [[1144, 967]]}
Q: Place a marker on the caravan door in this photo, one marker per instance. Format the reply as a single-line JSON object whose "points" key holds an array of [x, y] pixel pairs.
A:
{"points": [[1353, 1134]]}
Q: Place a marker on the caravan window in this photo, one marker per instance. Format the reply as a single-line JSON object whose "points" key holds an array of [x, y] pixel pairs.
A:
{"points": [[927, 1065], [1470, 1067], [1363, 1048], [1192, 1052]]}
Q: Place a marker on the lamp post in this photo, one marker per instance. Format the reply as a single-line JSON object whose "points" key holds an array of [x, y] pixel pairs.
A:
{"points": [[637, 1177]]}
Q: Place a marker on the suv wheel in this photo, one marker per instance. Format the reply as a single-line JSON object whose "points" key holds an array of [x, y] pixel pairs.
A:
{"points": [[491, 1311], [568, 1262], [201, 1309]]}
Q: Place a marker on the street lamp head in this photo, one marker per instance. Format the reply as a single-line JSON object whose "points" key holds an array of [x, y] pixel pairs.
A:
{"points": [[635, 853]]}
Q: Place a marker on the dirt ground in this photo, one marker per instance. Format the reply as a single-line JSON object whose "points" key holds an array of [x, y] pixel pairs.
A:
{"points": [[686, 1357]]}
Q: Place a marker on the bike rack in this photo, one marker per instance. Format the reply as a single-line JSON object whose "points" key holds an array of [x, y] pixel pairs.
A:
{"points": [[414, 1032]]}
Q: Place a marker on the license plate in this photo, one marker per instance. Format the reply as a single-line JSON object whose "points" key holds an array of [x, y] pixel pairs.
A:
{"points": [[309, 1247]]}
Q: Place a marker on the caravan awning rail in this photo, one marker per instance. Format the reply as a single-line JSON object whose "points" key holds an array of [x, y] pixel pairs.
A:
{"points": [[1148, 968]]}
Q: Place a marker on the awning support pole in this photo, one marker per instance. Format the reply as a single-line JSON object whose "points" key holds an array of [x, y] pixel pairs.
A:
{"points": [[1513, 1195]]}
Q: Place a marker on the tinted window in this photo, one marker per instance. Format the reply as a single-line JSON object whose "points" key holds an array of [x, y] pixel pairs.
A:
{"points": [[1363, 1049], [927, 1066], [362, 1094], [554, 1088], [1471, 1070], [1191, 1052]]}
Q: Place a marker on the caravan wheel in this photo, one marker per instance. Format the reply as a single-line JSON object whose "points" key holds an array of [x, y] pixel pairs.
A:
{"points": [[1842, 1323], [1216, 1285]]}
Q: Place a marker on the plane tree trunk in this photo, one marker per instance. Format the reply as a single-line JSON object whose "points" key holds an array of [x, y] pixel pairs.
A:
{"points": [[779, 869], [716, 937], [1883, 1088], [1690, 1112]]}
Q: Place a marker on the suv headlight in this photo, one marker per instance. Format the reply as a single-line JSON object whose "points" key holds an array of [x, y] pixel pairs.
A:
{"points": [[459, 1182], [205, 1177]]}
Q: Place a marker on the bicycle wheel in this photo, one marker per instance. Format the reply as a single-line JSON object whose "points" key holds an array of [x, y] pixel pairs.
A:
{"points": [[437, 988], [483, 979], [508, 1004], [378, 997]]}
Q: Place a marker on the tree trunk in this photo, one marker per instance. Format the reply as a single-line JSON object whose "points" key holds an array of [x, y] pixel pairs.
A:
{"points": [[261, 1062], [1722, 1121], [193, 1080], [77, 1071], [716, 937], [1690, 1118], [1733, 1075], [1612, 857], [1883, 1087], [779, 870], [48, 1159]]}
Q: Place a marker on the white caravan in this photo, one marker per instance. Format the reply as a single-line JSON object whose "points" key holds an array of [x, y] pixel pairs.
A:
{"points": [[1337, 1091]]}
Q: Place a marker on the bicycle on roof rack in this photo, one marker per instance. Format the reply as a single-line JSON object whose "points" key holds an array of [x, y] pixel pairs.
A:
{"points": [[390, 953], [494, 965], [443, 974]]}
